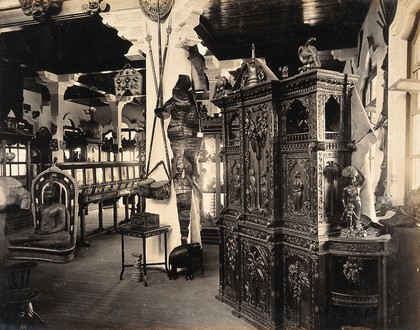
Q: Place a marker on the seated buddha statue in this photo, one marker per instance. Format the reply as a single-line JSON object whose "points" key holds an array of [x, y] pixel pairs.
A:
{"points": [[51, 231]]}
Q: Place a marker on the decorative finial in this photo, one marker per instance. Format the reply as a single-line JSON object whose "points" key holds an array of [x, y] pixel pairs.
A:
{"points": [[308, 55], [156, 9], [253, 52]]}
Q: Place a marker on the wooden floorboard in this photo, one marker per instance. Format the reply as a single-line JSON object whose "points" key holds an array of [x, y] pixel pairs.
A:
{"points": [[88, 294]]}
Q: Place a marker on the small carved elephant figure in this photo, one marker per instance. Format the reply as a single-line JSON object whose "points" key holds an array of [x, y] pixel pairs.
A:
{"points": [[182, 257]]}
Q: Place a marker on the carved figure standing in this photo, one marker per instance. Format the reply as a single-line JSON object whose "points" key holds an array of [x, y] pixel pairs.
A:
{"points": [[351, 192], [182, 132], [252, 189], [265, 193], [298, 192], [236, 182], [350, 218]]}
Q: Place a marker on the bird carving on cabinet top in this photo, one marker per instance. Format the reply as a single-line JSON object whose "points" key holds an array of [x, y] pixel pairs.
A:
{"points": [[308, 55]]}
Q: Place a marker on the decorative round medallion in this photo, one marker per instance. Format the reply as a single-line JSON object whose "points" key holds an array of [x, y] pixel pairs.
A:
{"points": [[154, 9]]}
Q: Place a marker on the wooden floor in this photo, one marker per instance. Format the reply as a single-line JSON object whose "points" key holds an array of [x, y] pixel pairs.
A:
{"points": [[88, 294]]}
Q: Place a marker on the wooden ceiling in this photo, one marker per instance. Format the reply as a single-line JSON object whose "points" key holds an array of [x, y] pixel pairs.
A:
{"points": [[227, 28], [63, 47], [279, 27]]}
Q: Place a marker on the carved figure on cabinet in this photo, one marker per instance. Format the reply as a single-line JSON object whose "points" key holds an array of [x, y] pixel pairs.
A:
{"points": [[297, 192], [351, 192], [222, 86], [182, 133], [308, 55], [51, 231], [252, 190], [236, 182], [352, 204], [265, 193], [182, 257], [350, 218]]}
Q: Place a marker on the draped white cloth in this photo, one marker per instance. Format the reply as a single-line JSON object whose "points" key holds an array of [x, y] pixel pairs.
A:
{"points": [[12, 192], [364, 136]]}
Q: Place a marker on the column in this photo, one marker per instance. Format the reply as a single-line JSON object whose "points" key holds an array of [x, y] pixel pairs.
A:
{"points": [[116, 109], [57, 85], [135, 26]]}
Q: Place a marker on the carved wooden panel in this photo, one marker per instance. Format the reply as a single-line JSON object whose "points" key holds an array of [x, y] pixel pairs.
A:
{"points": [[297, 187], [256, 278], [298, 290], [230, 262], [235, 181], [258, 144], [300, 274]]}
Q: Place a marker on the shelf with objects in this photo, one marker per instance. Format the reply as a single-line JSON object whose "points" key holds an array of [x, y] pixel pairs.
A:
{"points": [[210, 180], [15, 150], [15, 174]]}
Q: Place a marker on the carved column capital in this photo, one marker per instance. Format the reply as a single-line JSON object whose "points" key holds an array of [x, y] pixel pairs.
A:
{"points": [[130, 25], [56, 84], [186, 18]]}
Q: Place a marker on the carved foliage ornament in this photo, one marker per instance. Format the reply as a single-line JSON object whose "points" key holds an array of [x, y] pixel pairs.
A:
{"points": [[155, 9], [39, 9], [95, 6], [257, 278], [299, 281], [257, 131], [352, 269]]}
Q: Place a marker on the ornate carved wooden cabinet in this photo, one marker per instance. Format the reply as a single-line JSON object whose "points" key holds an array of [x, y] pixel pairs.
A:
{"points": [[249, 240], [314, 132], [284, 148]]}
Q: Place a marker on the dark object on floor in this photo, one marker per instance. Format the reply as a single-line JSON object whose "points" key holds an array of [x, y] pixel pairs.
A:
{"points": [[400, 219], [182, 257], [20, 311]]}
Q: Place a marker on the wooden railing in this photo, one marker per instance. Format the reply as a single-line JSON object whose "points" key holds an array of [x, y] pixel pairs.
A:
{"points": [[105, 181]]}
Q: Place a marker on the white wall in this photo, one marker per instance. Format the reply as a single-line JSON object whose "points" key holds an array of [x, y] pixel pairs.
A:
{"points": [[399, 32]]}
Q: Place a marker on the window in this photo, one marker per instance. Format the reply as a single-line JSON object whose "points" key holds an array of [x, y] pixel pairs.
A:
{"points": [[415, 151], [414, 138], [369, 93], [17, 166], [413, 125]]}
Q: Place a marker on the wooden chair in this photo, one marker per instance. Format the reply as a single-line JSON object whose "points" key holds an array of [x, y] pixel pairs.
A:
{"points": [[68, 196]]}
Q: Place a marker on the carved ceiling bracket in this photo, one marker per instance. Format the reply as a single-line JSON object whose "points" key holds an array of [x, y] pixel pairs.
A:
{"points": [[187, 17], [41, 9], [56, 83], [130, 26]]}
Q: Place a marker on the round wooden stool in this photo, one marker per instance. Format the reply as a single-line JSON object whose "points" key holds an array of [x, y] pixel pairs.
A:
{"points": [[21, 272], [22, 312]]}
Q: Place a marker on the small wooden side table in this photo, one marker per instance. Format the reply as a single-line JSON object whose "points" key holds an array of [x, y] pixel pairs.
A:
{"points": [[358, 281], [132, 230]]}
